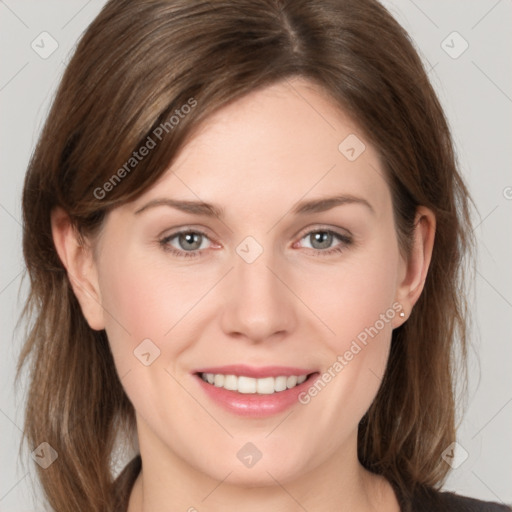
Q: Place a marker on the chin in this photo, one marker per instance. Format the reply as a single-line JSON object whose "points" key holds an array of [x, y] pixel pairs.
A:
{"points": [[262, 473]]}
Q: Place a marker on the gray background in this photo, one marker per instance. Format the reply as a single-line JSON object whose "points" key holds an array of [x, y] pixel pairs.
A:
{"points": [[475, 89]]}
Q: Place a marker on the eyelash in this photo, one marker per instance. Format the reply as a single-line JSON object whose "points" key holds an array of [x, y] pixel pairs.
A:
{"points": [[164, 243]]}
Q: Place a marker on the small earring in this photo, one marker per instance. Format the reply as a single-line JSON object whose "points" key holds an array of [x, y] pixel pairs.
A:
{"points": [[402, 314]]}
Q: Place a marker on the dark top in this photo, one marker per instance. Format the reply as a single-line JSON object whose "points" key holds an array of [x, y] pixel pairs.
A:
{"points": [[424, 500]]}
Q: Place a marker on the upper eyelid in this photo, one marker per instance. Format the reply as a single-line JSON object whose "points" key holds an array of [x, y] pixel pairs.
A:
{"points": [[336, 231]]}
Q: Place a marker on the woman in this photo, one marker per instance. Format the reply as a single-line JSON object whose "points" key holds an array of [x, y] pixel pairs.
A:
{"points": [[245, 230]]}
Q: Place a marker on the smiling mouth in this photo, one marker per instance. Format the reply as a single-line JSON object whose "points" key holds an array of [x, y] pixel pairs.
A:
{"points": [[250, 385]]}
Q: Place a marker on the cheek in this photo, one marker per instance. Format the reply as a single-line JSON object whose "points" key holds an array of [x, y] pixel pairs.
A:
{"points": [[358, 306], [142, 305], [146, 299], [357, 300], [137, 304]]}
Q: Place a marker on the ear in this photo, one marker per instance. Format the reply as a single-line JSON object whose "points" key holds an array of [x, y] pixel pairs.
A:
{"points": [[413, 272], [79, 263]]}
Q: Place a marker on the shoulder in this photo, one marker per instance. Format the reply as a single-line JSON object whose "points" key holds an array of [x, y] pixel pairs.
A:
{"points": [[431, 500]]}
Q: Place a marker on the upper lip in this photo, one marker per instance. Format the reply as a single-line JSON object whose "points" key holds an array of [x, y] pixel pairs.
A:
{"points": [[256, 372]]}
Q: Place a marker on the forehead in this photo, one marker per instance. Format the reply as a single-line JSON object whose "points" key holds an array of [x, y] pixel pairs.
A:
{"points": [[287, 141]]}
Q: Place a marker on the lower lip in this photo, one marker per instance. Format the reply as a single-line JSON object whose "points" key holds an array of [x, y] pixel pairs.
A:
{"points": [[254, 405]]}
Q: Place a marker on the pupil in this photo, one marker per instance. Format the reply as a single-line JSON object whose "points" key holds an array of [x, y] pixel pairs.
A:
{"points": [[323, 238], [189, 239]]}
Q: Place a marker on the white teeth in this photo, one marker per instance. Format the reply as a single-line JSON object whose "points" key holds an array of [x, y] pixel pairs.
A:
{"points": [[265, 386], [231, 382], [246, 385], [291, 381], [280, 383]]}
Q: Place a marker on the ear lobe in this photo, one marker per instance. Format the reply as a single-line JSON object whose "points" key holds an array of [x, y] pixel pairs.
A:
{"points": [[79, 263], [414, 270]]}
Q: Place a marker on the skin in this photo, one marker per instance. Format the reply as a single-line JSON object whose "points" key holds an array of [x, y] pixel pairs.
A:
{"points": [[293, 305]]}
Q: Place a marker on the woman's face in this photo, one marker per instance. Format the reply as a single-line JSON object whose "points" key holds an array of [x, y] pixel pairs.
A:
{"points": [[279, 285]]}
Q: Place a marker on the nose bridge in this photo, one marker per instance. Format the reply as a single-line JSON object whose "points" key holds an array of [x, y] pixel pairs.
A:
{"points": [[258, 303], [256, 278]]}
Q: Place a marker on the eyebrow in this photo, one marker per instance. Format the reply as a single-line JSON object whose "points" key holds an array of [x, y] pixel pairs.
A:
{"points": [[302, 208]]}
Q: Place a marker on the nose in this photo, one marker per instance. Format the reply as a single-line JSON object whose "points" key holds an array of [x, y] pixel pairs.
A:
{"points": [[259, 302]]}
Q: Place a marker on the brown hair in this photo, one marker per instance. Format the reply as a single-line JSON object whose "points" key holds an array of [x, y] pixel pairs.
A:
{"points": [[136, 64]]}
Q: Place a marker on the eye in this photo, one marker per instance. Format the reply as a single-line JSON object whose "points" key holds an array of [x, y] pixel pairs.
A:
{"points": [[185, 243], [190, 243], [321, 241]]}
